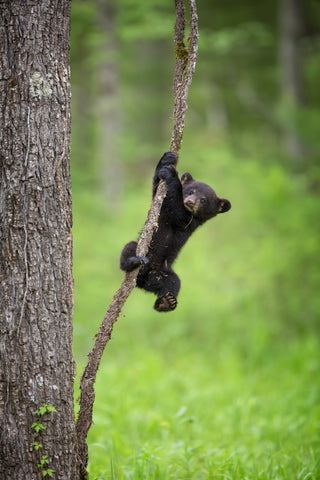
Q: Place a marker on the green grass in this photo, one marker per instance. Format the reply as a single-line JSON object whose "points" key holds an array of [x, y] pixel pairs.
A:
{"points": [[226, 386], [179, 416]]}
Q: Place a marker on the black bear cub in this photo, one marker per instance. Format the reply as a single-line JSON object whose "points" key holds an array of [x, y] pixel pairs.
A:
{"points": [[187, 205]]}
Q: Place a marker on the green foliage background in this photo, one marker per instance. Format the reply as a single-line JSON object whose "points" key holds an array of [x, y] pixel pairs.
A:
{"points": [[226, 386]]}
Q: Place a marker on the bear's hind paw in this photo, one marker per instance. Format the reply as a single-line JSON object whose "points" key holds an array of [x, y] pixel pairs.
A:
{"points": [[166, 303]]}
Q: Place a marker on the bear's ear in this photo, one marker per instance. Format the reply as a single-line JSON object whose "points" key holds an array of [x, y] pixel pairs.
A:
{"points": [[186, 177], [224, 205]]}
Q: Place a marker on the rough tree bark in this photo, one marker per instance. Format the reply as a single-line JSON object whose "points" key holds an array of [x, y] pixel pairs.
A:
{"points": [[186, 57], [36, 286]]}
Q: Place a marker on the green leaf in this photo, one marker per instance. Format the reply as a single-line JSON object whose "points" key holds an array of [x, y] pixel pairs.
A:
{"points": [[44, 461], [49, 472], [42, 410], [38, 427], [50, 408], [36, 445]]}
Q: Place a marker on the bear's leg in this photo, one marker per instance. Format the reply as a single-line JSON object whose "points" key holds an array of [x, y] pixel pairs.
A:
{"points": [[129, 260], [168, 292], [165, 284]]}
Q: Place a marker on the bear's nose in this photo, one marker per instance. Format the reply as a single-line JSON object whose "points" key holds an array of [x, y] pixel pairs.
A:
{"points": [[189, 204]]}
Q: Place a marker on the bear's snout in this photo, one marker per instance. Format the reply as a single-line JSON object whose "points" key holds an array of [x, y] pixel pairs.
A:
{"points": [[189, 205]]}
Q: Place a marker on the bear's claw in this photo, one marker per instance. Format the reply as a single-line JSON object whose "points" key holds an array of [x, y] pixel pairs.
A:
{"points": [[166, 303]]}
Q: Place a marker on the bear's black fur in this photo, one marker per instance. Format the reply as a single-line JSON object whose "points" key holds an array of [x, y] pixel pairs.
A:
{"points": [[187, 205]]}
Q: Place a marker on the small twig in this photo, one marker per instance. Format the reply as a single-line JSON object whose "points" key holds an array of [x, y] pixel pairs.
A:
{"points": [[185, 65]]}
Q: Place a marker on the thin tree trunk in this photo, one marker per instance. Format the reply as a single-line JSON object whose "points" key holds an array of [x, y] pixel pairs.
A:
{"points": [[186, 58], [36, 286], [108, 107], [291, 25]]}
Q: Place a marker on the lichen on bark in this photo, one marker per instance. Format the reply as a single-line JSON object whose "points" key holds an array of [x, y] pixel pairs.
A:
{"points": [[181, 52]]}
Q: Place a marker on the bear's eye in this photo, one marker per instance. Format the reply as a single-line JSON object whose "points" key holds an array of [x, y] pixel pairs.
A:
{"points": [[203, 201], [190, 192]]}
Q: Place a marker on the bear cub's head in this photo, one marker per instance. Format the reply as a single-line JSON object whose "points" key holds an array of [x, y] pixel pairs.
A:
{"points": [[201, 200]]}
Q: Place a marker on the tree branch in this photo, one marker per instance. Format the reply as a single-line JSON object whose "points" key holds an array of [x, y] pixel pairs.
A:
{"points": [[185, 65], [186, 58]]}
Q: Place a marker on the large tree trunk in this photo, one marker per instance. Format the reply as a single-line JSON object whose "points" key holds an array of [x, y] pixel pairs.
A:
{"points": [[36, 286]]}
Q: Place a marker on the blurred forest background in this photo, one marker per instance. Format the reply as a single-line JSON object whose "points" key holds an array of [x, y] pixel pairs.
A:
{"points": [[227, 385]]}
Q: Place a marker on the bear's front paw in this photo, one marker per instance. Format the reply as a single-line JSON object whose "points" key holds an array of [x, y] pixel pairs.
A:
{"points": [[166, 303], [169, 158], [167, 171]]}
